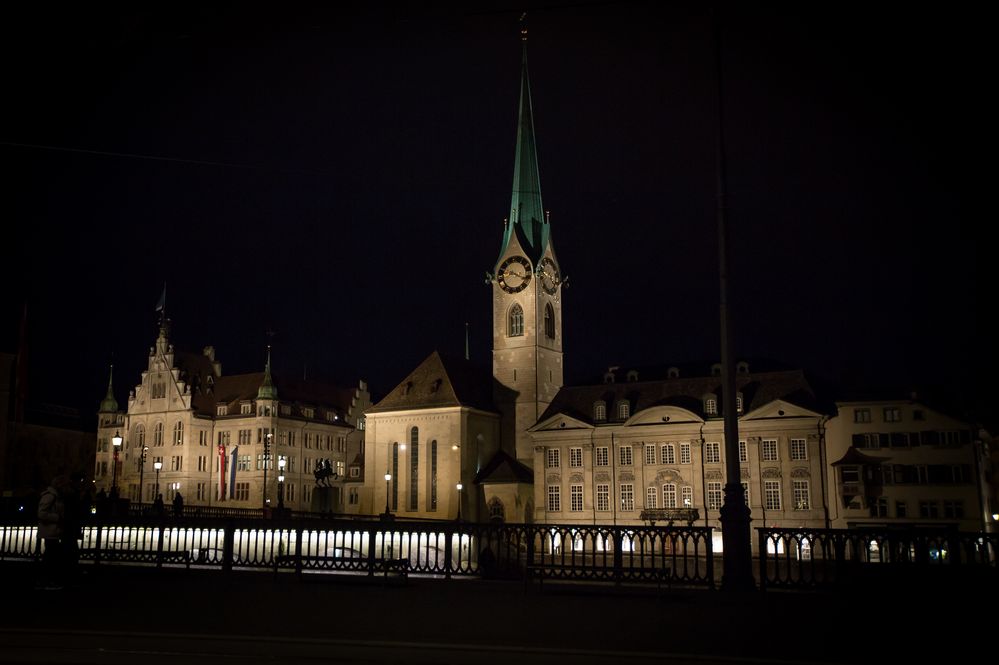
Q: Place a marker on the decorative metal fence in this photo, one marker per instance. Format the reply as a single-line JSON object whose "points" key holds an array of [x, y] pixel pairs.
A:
{"points": [[815, 558], [433, 548]]}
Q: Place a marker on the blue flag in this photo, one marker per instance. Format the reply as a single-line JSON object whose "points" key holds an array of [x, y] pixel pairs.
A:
{"points": [[232, 473]]}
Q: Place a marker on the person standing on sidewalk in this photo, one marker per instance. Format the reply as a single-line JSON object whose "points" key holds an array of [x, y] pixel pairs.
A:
{"points": [[51, 524]]}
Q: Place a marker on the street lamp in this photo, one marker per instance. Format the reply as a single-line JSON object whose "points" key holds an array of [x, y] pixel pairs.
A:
{"points": [[157, 465], [388, 479], [459, 501], [116, 442], [142, 469], [267, 457], [281, 463]]}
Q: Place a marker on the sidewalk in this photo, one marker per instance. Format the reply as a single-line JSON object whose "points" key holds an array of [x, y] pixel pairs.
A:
{"points": [[429, 620]]}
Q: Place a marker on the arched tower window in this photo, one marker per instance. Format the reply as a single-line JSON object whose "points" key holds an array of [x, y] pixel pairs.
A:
{"points": [[178, 433], [158, 434], [515, 327], [549, 321]]}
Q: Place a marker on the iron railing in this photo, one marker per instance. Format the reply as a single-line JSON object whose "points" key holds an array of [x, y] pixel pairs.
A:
{"points": [[816, 558], [442, 548]]}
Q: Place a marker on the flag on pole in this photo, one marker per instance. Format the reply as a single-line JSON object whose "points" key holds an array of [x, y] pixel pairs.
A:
{"points": [[161, 305], [232, 473], [221, 472]]}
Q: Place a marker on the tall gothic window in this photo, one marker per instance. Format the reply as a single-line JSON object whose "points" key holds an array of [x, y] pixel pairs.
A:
{"points": [[432, 478], [516, 325], [414, 467], [140, 436], [549, 321], [158, 434], [178, 433], [395, 476]]}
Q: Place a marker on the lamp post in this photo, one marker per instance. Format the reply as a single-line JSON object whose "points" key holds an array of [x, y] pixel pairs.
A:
{"points": [[459, 486], [116, 442], [157, 465], [388, 479], [267, 457], [281, 463], [142, 469]]}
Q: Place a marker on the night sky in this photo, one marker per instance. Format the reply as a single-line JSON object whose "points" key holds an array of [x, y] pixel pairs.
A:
{"points": [[340, 177]]}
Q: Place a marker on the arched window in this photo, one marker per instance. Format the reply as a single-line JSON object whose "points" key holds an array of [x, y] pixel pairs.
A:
{"points": [[140, 436], [414, 467], [515, 328], [158, 434], [496, 511], [623, 409], [549, 321], [395, 476], [600, 410], [178, 433]]}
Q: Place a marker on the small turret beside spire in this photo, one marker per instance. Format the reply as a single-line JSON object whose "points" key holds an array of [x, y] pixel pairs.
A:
{"points": [[527, 217], [109, 404], [267, 390]]}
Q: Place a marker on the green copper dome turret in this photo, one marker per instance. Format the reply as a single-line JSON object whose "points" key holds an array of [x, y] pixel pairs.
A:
{"points": [[268, 389], [527, 215], [109, 404]]}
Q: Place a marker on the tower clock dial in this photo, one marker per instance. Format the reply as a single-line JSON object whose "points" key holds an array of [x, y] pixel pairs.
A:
{"points": [[514, 274], [550, 278]]}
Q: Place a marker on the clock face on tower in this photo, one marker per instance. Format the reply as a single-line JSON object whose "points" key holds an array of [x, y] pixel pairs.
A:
{"points": [[550, 279], [514, 274]]}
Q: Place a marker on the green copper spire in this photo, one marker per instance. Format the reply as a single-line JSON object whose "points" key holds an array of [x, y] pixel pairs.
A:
{"points": [[527, 215], [267, 390], [109, 404]]}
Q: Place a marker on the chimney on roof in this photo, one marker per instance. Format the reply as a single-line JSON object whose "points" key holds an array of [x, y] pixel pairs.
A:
{"points": [[609, 376]]}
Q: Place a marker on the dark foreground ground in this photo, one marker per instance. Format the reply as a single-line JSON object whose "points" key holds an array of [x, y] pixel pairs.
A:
{"points": [[120, 614]]}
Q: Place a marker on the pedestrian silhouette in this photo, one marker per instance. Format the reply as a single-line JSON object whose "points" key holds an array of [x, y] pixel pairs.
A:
{"points": [[158, 505], [51, 524], [178, 505]]}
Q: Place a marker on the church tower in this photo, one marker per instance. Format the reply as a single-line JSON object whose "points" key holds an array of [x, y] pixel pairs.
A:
{"points": [[526, 290]]}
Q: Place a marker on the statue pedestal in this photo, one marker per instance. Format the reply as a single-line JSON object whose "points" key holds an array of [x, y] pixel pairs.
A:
{"points": [[323, 500]]}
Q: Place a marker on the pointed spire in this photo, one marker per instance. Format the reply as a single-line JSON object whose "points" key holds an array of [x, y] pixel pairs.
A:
{"points": [[109, 404], [466, 340], [527, 218], [267, 389]]}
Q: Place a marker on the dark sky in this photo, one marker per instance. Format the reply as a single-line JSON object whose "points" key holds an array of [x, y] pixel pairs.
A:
{"points": [[341, 176]]}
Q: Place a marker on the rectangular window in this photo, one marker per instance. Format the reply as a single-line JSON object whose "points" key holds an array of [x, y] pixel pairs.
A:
{"points": [[929, 510], [769, 450], [650, 454], [602, 456], [576, 457], [849, 475], [603, 497], [202, 463], [625, 455], [879, 507], [261, 461], [246, 408], [953, 509], [243, 463], [712, 452], [554, 458], [743, 452], [802, 498], [627, 496], [650, 497], [687, 493], [901, 510], [714, 495], [575, 498], [771, 494], [861, 415], [799, 451], [893, 414], [353, 496], [244, 437], [745, 493], [203, 438], [668, 454], [176, 463], [554, 499], [669, 495], [242, 492], [290, 492], [202, 492]]}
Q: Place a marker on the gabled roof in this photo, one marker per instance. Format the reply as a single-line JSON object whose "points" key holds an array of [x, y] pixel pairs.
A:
{"points": [[757, 389], [440, 381], [854, 456], [245, 387], [503, 469]]}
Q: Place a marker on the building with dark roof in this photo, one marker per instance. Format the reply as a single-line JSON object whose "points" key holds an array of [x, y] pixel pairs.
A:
{"points": [[225, 439]]}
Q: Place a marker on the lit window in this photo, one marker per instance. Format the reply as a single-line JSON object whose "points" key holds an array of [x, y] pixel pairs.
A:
{"points": [[711, 406], [554, 458], [802, 499], [515, 327], [769, 449], [714, 495], [712, 452], [626, 455], [602, 456], [799, 451], [687, 495], [623, 410]]}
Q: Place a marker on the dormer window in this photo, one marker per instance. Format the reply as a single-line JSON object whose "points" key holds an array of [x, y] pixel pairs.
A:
{"points": [[435, 386], [738, 403], [222, 410], [632, 375], [673, 373], [623, 409], [711, 406], [246, 408], [285, 410], [408, 387], [330, 416], [716, 369], [308, 412], [600, 410], [742, 367]]}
